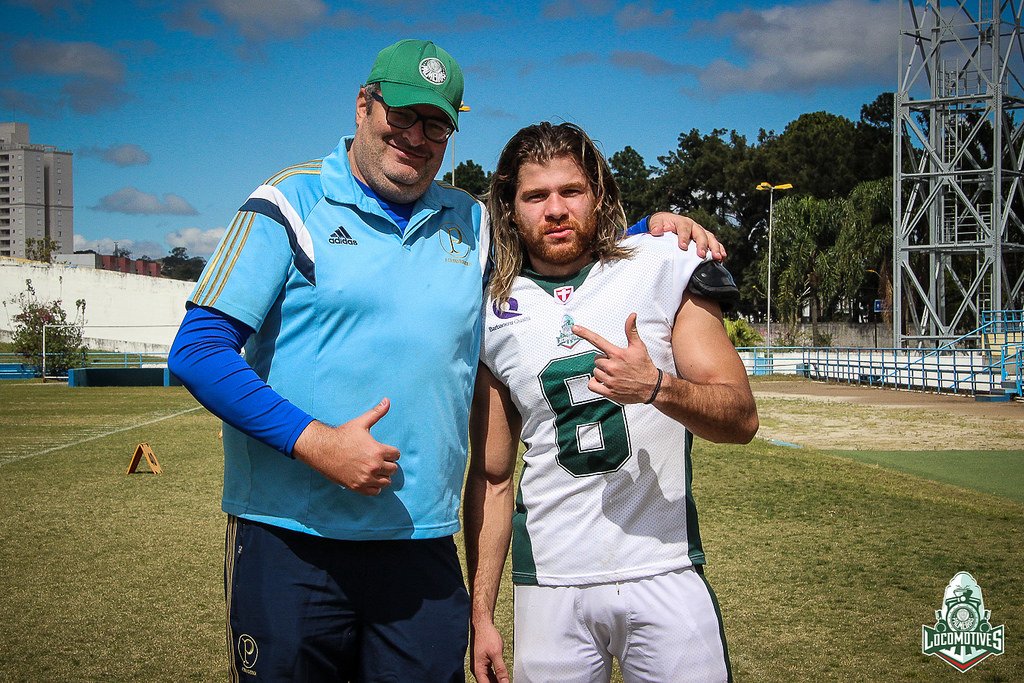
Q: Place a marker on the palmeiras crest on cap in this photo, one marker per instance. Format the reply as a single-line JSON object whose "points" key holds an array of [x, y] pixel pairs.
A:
{"points": [[432, 69]]}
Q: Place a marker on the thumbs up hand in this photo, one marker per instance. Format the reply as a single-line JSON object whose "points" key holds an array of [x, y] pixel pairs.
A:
{"points": [[348, 454], [624, 375]]}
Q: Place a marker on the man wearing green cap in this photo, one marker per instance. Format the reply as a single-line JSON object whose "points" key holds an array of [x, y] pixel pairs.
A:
{"points": [[354, 282]]}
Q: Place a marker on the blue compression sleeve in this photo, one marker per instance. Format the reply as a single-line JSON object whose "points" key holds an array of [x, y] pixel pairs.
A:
{"points": [[638, 228], [205, 358]]}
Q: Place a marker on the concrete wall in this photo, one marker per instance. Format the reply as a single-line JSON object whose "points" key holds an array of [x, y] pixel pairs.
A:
{"points": [[863, 335], [123, 312]]}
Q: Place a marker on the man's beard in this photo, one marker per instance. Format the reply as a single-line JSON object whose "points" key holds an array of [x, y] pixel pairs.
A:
{"points": [[583, 240]]}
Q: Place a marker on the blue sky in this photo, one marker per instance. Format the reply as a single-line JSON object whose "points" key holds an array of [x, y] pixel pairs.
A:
{"points": [[176, 111]]}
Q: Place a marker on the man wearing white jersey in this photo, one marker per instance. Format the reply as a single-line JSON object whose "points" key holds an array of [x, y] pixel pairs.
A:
{"points": [[604, 357]]}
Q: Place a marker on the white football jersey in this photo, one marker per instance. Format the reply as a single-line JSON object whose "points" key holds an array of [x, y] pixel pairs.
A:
{"points": [[605, 489]]}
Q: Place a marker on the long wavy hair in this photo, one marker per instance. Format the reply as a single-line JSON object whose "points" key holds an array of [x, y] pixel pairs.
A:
{"points": [[539, 144]]}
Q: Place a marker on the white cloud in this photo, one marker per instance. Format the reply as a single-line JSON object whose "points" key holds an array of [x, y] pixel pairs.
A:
{"points": [[637, 15], [497, 113], [27, 103], [261, 19], [199, 242], [131, 201], [571, 9], [189, 18], [90, 95], [648, 63], [579, 59], [68, 59], [106, 245], [803, 47], [93, 74], [49, 8], [119, 155]]}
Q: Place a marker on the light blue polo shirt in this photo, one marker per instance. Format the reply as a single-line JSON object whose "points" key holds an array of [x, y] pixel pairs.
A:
{"points": [[347, 310]]}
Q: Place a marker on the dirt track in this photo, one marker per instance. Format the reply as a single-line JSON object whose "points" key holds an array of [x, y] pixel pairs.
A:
{"points": [[844, 417]]}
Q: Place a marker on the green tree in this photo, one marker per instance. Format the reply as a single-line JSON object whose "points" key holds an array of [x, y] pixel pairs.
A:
{"points": [[42, 249], [709, 171], [178, 265], [64, 347], [636, 186], [711, 179], [864, 247], [470, 176], [804, 257], [818, 153], [874, 137]]}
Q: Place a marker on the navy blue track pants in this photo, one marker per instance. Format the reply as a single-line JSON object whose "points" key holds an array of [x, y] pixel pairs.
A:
{"points": [[306, 608]]}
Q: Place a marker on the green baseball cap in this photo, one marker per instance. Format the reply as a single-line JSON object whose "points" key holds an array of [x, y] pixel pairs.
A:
{"points": [[414, 72]]}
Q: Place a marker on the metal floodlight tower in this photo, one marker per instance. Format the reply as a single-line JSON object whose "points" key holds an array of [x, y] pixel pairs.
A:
{"points": [[958, 199]]}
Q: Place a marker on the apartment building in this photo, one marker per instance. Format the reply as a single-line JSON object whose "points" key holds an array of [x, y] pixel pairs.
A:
{"points": [[36, 193]]}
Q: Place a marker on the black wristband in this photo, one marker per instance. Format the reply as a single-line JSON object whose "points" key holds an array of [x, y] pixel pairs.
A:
{"points": [[657, 388]]}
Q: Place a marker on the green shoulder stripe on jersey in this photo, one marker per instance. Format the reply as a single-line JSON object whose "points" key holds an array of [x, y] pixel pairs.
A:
{"points": [[311, 166], [550, 283]]}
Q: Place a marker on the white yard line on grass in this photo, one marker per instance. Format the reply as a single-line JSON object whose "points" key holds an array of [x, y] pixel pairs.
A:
{"points": [[8, 461]]}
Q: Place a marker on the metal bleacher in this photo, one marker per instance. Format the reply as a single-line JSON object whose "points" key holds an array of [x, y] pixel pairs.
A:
{"points": [[16, 370], [992, 372], [16, 366]]}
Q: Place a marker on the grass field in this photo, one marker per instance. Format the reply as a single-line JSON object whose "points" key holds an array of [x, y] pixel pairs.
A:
{"points": [[997, 472], [825, 566]]}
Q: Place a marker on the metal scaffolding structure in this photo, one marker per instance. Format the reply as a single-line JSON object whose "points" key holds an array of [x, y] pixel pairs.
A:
{"points": [[958, 199]]}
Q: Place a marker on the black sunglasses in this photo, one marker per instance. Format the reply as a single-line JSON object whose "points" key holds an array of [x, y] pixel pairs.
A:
{"points": [[435, 130]]}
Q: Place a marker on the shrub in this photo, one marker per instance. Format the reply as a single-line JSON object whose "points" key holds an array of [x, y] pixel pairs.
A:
{"points": [[64, 347], [741, 333]]}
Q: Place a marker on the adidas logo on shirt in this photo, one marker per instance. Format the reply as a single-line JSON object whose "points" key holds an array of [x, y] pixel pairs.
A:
{"points": [[341, 236]]}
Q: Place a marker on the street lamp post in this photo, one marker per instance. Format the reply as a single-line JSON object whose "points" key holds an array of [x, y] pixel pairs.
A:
{"points": [[771, 205]]}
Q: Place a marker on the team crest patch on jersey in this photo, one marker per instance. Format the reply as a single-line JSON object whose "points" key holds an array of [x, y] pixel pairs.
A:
{"points": [[432, 69], [563, 293], [566, 337], [454, 244]]}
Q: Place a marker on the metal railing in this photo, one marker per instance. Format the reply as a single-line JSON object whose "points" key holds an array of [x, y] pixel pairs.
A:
{"points": [[1006, 321], [94, 359], [1010, 368], [969, 371]]}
